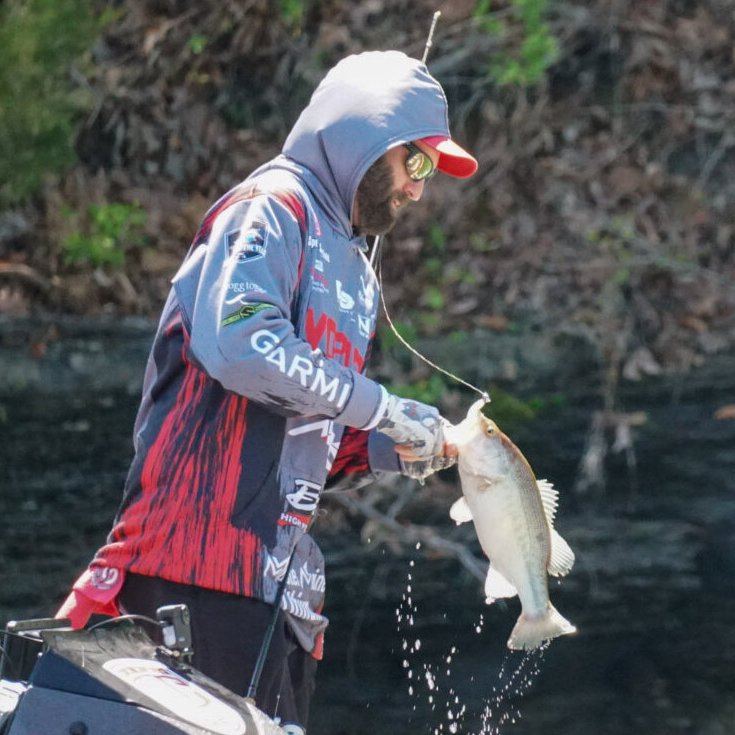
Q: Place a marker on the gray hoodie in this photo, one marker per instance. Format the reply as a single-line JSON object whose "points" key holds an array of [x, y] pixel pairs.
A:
{"points": [[254, 394]]}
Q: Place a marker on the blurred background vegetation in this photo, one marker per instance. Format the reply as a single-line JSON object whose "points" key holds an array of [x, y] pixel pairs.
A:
{"points": [[602, 214]]}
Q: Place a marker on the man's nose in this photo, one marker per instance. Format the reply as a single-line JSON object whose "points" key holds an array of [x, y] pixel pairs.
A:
{"points": [[414, 189]]}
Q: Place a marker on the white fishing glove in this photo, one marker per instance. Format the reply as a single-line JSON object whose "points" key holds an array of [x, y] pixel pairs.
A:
{"points": [[418, 427]]}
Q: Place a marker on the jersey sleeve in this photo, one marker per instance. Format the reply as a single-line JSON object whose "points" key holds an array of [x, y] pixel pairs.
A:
{"points": [[362, 458], [238, 293]]}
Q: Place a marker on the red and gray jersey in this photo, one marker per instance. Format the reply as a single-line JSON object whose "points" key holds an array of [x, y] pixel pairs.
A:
{"points": [[254, 394]]}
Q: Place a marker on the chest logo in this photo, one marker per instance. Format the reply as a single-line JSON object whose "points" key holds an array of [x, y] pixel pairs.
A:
{"points": [[346, 302]]}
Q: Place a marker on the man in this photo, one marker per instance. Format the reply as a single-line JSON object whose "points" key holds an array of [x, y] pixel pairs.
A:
{"points": [[254, 395]]}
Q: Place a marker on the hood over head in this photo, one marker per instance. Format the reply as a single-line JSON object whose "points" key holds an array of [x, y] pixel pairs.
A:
{"points": [[366, 104]]}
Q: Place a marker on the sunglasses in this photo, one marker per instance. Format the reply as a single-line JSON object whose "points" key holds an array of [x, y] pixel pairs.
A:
{"points": [[418, 165]]}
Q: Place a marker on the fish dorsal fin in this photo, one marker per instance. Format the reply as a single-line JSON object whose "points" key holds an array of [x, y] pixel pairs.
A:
{"points": [[549, 499], [497, 586], [460, 512], [561, 559]]}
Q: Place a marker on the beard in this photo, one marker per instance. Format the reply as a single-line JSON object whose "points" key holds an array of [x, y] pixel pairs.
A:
{"points": [[376, 213]]}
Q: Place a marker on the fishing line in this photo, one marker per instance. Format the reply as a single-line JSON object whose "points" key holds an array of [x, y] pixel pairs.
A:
{"points": [[430, 37], [483, 394], [125, 618], [4, 655], [376, 259]]}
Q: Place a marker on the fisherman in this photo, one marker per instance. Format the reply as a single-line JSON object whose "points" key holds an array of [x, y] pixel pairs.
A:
{"points": [[254, 396]]}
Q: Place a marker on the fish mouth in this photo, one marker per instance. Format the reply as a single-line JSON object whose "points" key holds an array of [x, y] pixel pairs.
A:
{"points": [[461, 433]]}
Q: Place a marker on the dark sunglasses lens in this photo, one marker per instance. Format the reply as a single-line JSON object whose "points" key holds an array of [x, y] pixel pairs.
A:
{"points": [[419, 166]]}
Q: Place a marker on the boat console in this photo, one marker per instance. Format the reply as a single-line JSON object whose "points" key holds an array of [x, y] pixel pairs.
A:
{"points": [[112, 678]]}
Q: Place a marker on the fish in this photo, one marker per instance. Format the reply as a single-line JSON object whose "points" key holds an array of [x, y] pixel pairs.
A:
{"points": [[513, 514]]}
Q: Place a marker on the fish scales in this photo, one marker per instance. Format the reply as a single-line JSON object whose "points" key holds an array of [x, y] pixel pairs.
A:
{"points": [[513, 515]]}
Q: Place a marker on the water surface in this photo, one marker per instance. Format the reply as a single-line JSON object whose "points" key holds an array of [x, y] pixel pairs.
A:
{"points": [[651, 593]]}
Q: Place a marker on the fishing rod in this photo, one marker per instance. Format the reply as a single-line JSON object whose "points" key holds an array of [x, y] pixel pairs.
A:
{"points": [[268, 635], [427, 46], [375, 265]]}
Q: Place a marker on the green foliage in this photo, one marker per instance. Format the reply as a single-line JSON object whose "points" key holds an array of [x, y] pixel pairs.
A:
{"points": [[430, 390], [433, 298], [433, 301], [292, 12], [509, 412], [388, 338], [197, 43], [437, 237], [433, 268], [537, 50], [39, 42], [112, 230], [480, 243], [617, 238]]}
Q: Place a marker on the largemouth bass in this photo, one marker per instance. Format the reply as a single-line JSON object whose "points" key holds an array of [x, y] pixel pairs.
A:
{"points": [[513, 514]]}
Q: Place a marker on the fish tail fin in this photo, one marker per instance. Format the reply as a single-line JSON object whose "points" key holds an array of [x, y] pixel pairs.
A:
{"points": [[531, 631]]}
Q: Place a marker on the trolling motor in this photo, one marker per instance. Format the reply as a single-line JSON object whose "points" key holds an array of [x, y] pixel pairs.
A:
{"points": [[113, 678]]}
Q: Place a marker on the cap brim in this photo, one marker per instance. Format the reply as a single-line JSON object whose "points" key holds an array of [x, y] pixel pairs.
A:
{"points": [[453, 159]]}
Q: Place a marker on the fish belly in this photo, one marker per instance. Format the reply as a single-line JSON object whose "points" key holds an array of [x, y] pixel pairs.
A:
{"points": [[515, 542]]}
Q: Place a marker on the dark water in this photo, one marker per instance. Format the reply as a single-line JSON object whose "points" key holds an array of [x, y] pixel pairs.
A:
{"points": [[652, 593]]}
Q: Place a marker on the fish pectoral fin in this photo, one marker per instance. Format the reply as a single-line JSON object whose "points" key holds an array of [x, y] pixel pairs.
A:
{"points": [[549, 499], [497, 586], [460, 512], [561, 559]]}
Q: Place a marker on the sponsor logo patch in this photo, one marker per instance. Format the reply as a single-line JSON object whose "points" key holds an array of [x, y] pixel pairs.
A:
{"points": [[245, 311], [245, 287], [325, 427], [346, 301], [105, 578], [294, 519], [305, 497], [363, 325], [367, 294], [309, 374], [320, 283], [248, 244]]}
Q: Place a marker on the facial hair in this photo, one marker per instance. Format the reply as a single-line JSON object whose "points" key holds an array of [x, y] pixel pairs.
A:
{"points": [[374, 199]]}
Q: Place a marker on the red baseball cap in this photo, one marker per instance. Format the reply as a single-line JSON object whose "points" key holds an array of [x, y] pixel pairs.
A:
{"points": [[453, 159]]}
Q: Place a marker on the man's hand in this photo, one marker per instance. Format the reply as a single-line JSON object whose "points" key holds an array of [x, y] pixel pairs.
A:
{"points": [[420, 469], [416, 429]]}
